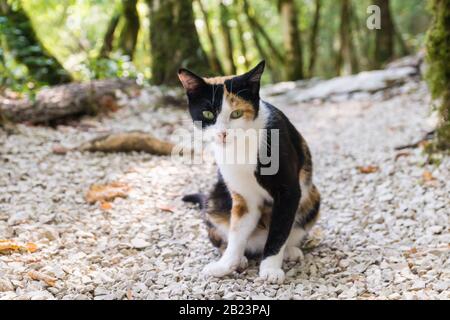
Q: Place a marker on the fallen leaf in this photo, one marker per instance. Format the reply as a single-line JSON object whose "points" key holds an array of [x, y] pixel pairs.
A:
{"points": [[39, 276], [105, 206], [166, 208], [9, 246], [427, 176], [58, 149], [368, 169], [31, 247], [107, 192]]}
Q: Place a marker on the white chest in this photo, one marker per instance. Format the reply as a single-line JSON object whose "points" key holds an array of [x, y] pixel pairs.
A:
{"points": [[240, 178]]}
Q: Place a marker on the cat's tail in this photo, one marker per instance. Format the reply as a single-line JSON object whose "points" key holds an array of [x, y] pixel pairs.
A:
{"points": [[197, 198]]}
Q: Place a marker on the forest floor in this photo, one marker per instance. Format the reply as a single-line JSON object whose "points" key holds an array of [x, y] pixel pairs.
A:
{"points": [[383, 231]]}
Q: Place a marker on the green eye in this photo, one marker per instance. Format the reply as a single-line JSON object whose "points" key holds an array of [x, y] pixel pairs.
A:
{"points": [[208, 115], [236, 114]]}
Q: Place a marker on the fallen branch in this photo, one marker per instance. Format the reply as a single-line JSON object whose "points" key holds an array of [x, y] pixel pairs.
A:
{"points": [[65, 100], [123, 142]]}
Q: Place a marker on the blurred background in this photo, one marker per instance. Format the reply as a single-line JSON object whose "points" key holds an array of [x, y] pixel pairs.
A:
{"points": [[150, 40]]}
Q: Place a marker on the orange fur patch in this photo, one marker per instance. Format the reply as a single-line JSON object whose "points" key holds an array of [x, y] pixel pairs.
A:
{"points": [[237, 103], [239, 208]]}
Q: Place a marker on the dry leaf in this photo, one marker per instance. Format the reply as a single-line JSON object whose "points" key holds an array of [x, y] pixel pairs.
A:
{"points": [[129, 294], [427, 176], [368, 169], [39, 276], [9, 246], [58, 149], [31, 247], [105, 206], [166, 208], [107, 192]]}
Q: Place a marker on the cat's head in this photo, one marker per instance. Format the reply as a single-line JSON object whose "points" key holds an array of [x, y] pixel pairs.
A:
{"points": [[224, 103]]}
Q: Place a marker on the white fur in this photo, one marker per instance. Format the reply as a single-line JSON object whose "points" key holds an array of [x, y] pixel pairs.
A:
{"points": [[240, 178], [270, 269]]}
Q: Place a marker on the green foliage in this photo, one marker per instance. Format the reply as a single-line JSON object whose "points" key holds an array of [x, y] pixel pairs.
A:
{"points": [[20, 39], [438, 75], [438, 49], [116, 66], [73, 32]]}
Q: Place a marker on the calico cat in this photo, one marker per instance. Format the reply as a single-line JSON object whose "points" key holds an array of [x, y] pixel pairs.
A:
{"points": [[249, 213]]}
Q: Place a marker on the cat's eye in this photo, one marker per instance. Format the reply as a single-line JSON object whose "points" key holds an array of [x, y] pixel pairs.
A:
{"points": [[208, 115], [236, 114]]}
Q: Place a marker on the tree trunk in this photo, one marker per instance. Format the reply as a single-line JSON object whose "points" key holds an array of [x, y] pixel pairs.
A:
{"points": [[403, 47], [228, 40], [213, 55], [108, 39], [130, 31], [293, 62], [384, 37], [65, 100], [258, 29], [273, 58], [313, 38], [26, 48], [174, 41], [438, 75], [347, 62], [242, 42]]}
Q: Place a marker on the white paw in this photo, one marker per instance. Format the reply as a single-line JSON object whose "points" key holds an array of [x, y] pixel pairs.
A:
{"points": [[218, 269], [272, 275], [293, 254], [243, 264]]}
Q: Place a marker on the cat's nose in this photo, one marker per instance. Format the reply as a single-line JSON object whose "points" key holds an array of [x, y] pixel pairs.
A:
{"points": [[222, 136]]}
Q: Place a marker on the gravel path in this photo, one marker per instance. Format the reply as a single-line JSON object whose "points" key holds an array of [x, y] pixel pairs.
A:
{"points": [[383, 235]]}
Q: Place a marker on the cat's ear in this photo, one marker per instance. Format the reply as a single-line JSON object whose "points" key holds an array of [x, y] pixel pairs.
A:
{"points": [[251, 79], [254, 75], [191, 82]]}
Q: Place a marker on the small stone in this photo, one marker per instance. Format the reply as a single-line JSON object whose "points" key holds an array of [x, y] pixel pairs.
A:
{"points": [[6, 285], [436, 229], [18, 218], [418, 284], [101, 291], [139, 243], [105, 297]]}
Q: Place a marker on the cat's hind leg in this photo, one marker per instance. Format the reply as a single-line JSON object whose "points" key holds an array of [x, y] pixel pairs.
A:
{"points": [[306, 217], [293, 253]]}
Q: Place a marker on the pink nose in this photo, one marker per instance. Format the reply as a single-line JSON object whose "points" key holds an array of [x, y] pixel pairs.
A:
{"points": [[222, 136]]}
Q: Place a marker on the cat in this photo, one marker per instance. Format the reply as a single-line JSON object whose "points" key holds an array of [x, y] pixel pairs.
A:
{"points": [[249, 213]]}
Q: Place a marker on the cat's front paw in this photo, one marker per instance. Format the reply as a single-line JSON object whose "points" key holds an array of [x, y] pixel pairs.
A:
{"points": [[218, 269], [293, 254], [272, 275]]}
